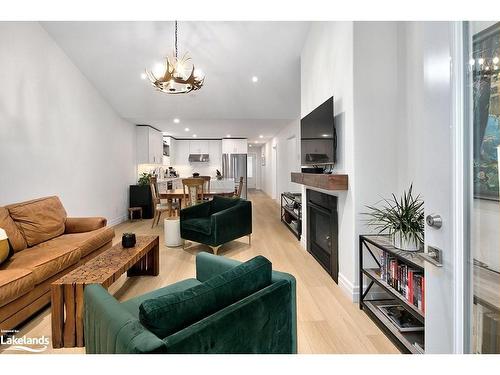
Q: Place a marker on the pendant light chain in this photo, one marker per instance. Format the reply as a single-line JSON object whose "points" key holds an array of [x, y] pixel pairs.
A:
{"points": [[176, 40]]}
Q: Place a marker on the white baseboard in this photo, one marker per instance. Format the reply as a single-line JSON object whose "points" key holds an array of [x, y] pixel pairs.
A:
{"points": [[348, 288], [352, 291], [117, 220]]}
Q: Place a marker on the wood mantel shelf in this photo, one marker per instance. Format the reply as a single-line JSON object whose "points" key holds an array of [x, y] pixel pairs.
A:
{"points": [[322, 181]]}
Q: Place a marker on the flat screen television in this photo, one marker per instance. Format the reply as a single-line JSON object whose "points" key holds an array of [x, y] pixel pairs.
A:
{"points": [[318, 136]]}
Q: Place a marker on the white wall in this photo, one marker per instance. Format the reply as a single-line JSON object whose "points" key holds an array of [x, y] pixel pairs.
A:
{"points": [[276, 173], [377, 95], [357, 63], [327, 70], [59, 137]]}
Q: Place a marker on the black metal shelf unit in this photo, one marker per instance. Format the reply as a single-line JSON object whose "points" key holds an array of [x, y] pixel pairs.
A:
{"points": [[369, 300], [291, 212]]}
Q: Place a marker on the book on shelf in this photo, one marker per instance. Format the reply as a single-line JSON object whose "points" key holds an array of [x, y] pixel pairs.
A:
{"points": [[407, 281]]}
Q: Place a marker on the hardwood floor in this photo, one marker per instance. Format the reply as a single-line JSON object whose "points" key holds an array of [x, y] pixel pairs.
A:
{"points": [[328, 322]]}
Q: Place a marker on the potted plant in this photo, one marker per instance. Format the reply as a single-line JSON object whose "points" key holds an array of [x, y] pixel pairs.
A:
{"points": [[144, 179], [402, 219]]}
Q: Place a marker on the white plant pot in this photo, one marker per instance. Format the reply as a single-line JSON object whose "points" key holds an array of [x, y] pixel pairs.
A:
{"points": [[407, 244]]}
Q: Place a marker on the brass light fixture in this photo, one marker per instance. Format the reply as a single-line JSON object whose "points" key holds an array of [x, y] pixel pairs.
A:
{"points": [[173, 77]]}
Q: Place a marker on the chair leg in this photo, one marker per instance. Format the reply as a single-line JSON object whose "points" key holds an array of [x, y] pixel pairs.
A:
{"points": [[250, 240], [154, 218], [159, 217], [215, 249]]}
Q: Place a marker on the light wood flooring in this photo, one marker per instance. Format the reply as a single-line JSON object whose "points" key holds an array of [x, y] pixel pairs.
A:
{"points": [[328, 322]]}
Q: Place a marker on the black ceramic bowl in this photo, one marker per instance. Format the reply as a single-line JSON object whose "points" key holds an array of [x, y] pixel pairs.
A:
{"points": [[128, 240]]}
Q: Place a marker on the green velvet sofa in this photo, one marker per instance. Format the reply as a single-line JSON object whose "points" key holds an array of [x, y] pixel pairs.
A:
{"points": [[217, 222], [231, 307]]}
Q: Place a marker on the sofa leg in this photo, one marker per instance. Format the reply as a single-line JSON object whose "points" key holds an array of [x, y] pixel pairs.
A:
{"points": [[215, 249], [250, 240]]}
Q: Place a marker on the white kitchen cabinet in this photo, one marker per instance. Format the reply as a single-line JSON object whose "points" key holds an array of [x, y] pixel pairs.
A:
{"points": [[181, 152], [234, 146], [149, 148], [215, 153], [198, 146]]}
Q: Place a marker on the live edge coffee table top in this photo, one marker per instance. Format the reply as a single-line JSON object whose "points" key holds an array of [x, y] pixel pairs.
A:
{"points": [[67, 296], [108, 266]]}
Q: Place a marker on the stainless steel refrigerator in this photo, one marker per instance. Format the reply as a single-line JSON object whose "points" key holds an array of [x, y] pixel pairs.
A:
{"points": [[234, 166]]}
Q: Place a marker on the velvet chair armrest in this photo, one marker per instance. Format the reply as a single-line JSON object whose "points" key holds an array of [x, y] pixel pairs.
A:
{"points": [[232, 223], [196, 211], [84, 224], [111, 329]]}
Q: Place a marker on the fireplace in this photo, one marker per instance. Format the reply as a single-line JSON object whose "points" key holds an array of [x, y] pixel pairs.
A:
{"points": [[322, 230]]}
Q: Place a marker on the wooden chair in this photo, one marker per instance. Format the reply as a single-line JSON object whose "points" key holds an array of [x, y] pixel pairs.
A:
{"points": [[194, 194], [206, 180], [158, 207], [206, 186], [239, 188]]}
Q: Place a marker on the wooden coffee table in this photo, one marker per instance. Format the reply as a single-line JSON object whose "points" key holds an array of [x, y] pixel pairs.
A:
{"points": [[104, 269]]}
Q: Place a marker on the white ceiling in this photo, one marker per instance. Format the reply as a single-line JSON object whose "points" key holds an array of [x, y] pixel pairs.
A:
{"points": [[114, 54]]}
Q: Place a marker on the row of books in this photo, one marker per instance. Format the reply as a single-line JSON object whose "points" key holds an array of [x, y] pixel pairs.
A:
{"points": [[409, 282]]}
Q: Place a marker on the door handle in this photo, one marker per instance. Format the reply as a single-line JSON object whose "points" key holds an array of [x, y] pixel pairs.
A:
{"points": [[434, 221]]}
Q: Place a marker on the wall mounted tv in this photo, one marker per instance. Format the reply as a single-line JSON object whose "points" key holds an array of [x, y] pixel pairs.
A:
{"points": [[318, 136]]}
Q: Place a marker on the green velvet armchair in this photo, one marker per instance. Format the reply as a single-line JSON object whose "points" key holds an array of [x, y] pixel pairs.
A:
{"points": [[231, 307], [217, 222]]}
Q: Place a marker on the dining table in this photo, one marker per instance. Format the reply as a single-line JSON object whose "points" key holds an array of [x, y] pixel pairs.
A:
{"points": [[171, 194]]}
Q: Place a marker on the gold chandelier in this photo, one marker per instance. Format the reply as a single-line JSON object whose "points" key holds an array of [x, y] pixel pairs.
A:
{"points": [[176, 76]]}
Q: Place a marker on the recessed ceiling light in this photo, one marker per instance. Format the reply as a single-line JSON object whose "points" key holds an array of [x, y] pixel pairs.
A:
{"points": [[261, 136], [325, 135], [256, 142], [228, 136], [143, 76], [186, 129], [176, 120], [255, 79], [249, 145], [194, 135]]}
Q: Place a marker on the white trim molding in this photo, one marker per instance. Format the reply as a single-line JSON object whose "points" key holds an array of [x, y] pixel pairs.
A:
{"points": [[117, 220]]}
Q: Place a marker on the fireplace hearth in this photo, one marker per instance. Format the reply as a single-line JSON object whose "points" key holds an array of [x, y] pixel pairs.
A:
{"points": [[322, 230]]}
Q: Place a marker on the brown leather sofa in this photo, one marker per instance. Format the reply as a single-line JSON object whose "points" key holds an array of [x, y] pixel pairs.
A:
{"points": [[46, 244]]}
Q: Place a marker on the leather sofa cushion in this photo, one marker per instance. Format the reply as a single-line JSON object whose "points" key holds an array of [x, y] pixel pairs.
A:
{"points": [[201, 225], [14, 282], [45, 259], [39, 220], [83, 224], [88, 242], [16, 238], [171, 313]]}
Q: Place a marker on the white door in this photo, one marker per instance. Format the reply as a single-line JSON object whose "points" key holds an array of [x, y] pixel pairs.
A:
{"points": [[251, 167], [439, 125]]}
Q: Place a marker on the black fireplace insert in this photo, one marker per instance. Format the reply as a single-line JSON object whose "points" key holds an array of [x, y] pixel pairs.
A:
{"points": [[322, 230]]}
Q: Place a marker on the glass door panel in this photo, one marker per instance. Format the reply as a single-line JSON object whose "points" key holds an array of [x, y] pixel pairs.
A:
{"points": [[483, 114]]}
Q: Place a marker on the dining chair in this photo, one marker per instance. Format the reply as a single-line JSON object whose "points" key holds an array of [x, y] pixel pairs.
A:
{"points": [[239, 188], [194, 193], [158, 206], [206, 180], [206, 186]]}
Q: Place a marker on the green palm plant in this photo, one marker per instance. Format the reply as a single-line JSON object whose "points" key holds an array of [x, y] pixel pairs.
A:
{"points": [[144, 179], [403, 217]]}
